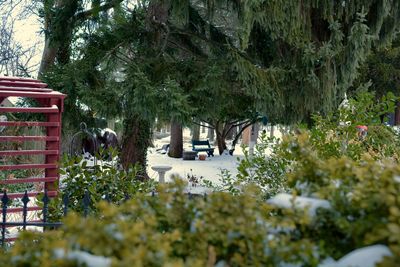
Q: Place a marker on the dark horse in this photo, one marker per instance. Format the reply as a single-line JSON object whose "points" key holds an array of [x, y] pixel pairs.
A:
{"points": [[97, 139]]}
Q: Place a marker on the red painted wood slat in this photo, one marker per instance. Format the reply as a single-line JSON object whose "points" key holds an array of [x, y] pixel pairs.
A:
{"points": [[53, 109], [27, 166], [28, 138], [28, 180], [28, 152], [31, 194], [23, 84], [22, 79], [39, 95], [27, 89], [29, 123], [14, 210]]}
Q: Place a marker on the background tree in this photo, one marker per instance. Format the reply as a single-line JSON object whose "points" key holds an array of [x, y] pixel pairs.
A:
{"points": [[286, 60], [15, 60], [381, 72], [301, 56]]}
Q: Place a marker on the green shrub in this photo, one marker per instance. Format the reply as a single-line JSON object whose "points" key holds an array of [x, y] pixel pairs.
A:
{"points": [[227, 230], [359, 178], [332, 136], [363, 194], [335, 134], [102, 182], [264, 169], [171, 230]]}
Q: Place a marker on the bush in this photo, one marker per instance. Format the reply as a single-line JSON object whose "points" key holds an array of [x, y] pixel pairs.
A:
{"points": [[332, 136], [335, 135], [102, 182], [359, 178], [227, 230], [171, 230], [264, 168], [363, 195]]}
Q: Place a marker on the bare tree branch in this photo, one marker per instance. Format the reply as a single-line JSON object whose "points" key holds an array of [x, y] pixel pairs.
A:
{"points": [[14, 59]]}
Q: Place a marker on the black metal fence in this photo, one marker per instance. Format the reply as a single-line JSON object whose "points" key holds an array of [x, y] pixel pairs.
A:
{"points": [[22, 220], [44, 212]]}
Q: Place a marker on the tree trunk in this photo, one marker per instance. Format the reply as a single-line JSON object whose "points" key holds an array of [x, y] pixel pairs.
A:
{"points": [[196, 132], [219, 129], [136, 139], [176, 141], [397, 114], [50, 50], [48, 57], [210, 134], [221, 143], [238, 136]]}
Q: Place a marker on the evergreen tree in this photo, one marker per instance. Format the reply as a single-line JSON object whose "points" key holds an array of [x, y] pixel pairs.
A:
{"points": [[381, 73], [298, 57], [382, 70], [228, 59]]}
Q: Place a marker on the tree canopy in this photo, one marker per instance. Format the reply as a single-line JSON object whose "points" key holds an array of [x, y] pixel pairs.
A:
{"points": [[181, 58]]}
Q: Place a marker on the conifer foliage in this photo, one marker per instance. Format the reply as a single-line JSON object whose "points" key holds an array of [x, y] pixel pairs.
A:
{"points": [[148, 59]]}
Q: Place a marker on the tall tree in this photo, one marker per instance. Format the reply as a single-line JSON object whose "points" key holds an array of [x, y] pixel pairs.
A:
{"points": [[279, 58], [305, 54], [381, 72], [176, 141], [61, 18]]}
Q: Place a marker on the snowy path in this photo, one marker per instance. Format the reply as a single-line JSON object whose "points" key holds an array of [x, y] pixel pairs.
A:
{"points": [[210, 168]]}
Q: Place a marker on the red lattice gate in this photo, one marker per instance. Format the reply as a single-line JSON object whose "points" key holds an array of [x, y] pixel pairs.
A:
{"points": [[51, 106]]}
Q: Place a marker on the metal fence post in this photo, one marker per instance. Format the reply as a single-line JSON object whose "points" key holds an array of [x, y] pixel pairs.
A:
{"points": [[4, 202], [25, 200], [45, 200], [86, 203]]}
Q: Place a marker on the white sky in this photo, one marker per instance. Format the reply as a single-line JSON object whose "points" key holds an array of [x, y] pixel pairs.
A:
{"points": [[27, 32]]}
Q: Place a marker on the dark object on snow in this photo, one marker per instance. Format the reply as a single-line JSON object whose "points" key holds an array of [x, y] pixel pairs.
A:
{"points": [[163, 149], [203, 146], [189, 155]]}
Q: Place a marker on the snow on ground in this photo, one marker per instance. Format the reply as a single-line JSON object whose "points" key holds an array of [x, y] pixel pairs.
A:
{"points": [[209, 169]]}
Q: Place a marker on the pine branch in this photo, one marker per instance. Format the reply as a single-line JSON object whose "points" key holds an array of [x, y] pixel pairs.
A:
{"points": [[243, 122], [239, 133]]}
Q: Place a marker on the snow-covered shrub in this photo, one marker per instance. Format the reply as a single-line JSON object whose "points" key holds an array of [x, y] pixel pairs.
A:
{"points": [[170, 229], [264, 168], [363, 195]]}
